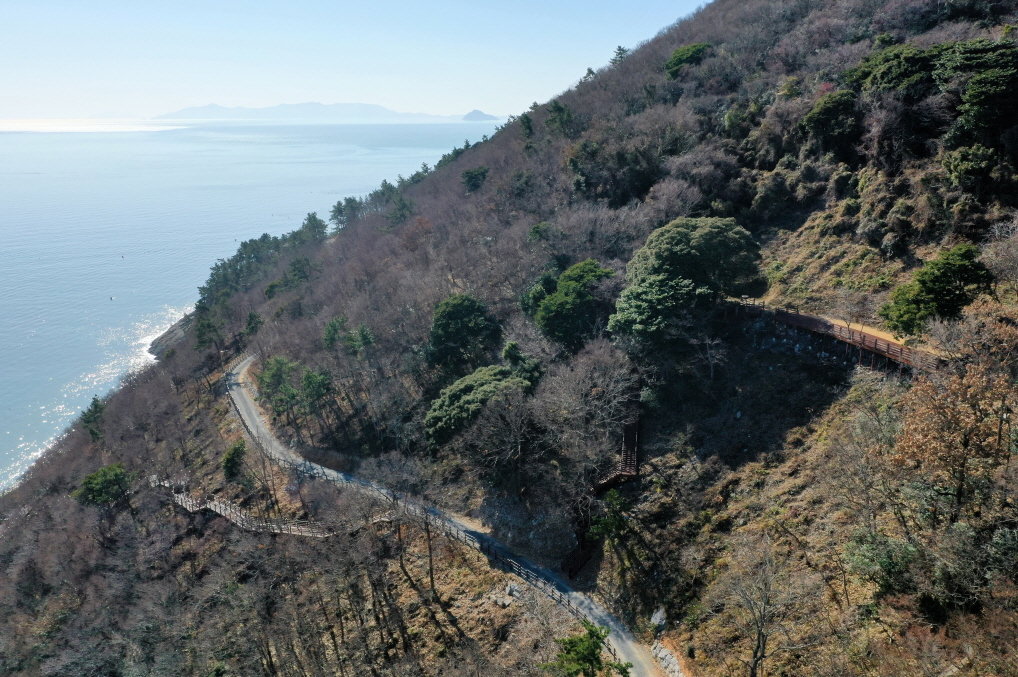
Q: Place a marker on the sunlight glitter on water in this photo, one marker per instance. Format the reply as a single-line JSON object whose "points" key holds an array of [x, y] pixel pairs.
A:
{"points": [[101, 229], [127, 350]]}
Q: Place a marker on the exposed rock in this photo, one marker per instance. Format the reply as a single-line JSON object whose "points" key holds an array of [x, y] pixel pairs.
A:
{"points": [[171, 337]]}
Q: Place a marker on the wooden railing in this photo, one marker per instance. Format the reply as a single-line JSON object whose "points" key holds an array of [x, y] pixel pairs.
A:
{"points": [[628, 464], [541, 579], [892, 350], [241, 517]]}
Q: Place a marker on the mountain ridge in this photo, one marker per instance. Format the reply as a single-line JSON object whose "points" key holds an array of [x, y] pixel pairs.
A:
{"points": [[313, 110]]}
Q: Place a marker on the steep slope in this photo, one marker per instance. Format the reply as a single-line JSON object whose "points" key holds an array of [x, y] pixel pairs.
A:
{"points": [[468, 334]]}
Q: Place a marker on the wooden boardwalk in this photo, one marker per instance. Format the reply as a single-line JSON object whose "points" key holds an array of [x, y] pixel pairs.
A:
{"points": [[242, 518], [621, 644], [895, 351], [628, 465]]}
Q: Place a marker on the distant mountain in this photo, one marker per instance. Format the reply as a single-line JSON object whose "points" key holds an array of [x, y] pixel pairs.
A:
{"points": [[478, 116], [336, 112]]}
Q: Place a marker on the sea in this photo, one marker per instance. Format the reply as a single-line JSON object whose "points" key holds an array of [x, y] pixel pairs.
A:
{"points": [[107, 230]]}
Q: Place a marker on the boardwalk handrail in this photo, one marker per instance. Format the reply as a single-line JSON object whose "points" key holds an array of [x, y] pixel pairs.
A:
{"points": [[896, 352], [542, 580], [241, 517], [503, 559]]}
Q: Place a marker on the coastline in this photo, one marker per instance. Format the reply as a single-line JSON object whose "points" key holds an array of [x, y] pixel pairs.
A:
{"points": [[166, 341]]}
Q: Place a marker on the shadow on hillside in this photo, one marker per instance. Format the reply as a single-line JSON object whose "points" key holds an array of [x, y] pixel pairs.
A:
{"points": [[755, 400]]}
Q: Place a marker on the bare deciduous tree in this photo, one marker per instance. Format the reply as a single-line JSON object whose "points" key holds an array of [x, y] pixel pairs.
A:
{"points": [[710, 351], [506, 431], [853, 307], [767, 600], [587, 401], [1001, 254]]}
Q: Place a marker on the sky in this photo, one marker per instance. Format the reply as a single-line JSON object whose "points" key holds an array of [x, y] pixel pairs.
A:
{"points": [[141, 58]]}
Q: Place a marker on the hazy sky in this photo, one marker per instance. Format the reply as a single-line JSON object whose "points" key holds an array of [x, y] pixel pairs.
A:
{"points": [[139, 58]]}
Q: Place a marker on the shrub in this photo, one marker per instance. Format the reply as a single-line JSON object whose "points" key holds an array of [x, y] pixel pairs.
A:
{"points": [[462, 331], [834, 122], [772, 195], [882, 560], [906, 69], [569, 313], [987, 70], [976, 169], [987, 105], [473, 179], [916, 72], [105, 487], [233, 460], [462, 401], [941, 288], [972, 56], [686, 55]]}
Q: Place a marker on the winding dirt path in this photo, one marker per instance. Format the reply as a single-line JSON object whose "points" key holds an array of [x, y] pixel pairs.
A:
{"points": [[621, 641]]}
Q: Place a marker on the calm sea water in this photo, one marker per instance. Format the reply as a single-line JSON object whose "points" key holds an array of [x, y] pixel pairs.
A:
{"points": [[105, 237]]}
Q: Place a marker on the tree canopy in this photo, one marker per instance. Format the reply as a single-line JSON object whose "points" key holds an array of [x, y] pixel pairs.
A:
{"points": [[686, 55], [569, 312], [105, 487], [581, 655], [92, 418], [461, 402], [462, 331], [834, 122], [683, 262], [233, 460], [941, 288], [474, 178]]}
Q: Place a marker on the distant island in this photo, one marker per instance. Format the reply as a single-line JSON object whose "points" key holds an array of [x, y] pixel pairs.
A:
{"points": [[478, 116], [318, 112]]}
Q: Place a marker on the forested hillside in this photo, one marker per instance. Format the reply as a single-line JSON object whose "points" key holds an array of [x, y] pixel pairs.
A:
{"points": [[490, 334]]}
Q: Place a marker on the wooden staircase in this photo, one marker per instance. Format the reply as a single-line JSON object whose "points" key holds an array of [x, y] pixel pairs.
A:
{"points": [[628, 465], [239, 516]]}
